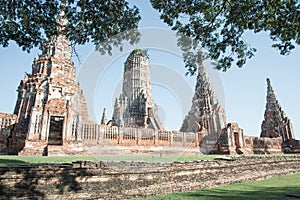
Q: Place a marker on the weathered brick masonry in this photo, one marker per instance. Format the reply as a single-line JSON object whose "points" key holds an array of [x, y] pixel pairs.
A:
{"points": [[124, 180]]}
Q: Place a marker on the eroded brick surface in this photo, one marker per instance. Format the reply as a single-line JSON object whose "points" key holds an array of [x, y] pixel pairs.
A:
{"points": [[206, 115], [135, 106], [276, 124], [124, 180]]}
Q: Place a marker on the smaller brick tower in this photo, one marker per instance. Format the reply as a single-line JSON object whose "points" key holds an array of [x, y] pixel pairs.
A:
{"points": [[206, 115], [276, 123]]}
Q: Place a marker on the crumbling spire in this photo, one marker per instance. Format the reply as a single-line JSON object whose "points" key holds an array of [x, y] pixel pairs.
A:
{"points": [[275, 123], [104, 119], [206, 114], [58, 46], [272, 103], [205, 106]]}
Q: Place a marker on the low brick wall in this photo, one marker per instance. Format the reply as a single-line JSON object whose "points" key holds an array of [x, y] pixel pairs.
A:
{"points": [[124, 180]]}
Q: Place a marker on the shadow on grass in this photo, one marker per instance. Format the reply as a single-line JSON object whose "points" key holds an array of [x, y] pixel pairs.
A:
{"points": [[11, 162], [251, 193]]}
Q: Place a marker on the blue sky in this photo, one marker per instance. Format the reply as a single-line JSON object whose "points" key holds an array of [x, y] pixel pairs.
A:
{"points": [[241, 91]]}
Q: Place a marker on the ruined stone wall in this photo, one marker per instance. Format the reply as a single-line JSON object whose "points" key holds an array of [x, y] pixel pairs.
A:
{"points": [[124, 180], [6, 124], [251, 145], [295, 146], [259, 145], [129, 136]]}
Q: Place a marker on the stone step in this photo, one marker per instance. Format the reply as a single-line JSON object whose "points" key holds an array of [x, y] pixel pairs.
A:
{"points": [[66, 149], [55, 150], [34, 148]]}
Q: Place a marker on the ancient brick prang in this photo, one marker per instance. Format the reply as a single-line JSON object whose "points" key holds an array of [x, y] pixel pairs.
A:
{"points": [[50, 105], [206, 114], [135, 106], [276, 123]]}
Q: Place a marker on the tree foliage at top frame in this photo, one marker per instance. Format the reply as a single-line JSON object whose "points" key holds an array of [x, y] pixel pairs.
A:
{"points": [[217, 26], [30, 23], [206, 28]]}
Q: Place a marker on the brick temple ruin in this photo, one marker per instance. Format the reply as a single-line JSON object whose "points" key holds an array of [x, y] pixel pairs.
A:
{"points": [[276, 136], [50, 106], [51, 116], [206, 115], [276, 124], [135, 106]]}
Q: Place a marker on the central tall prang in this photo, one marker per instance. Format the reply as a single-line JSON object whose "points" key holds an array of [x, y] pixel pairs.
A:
{"points": [[135, 106]]}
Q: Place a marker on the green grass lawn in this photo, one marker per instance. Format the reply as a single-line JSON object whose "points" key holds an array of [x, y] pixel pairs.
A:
{"points": [[17, 160], [267, 189]]}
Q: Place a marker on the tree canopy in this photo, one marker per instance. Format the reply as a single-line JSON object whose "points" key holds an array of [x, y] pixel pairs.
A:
{"points": [[30, 23], [206, 28], [218, 25]]}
